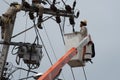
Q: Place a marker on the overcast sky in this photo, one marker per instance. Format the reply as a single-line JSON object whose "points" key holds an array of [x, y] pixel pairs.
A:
{"points": [[103, 17]]}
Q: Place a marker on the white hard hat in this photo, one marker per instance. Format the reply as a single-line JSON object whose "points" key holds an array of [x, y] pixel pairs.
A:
{"points": [[84, 22]]}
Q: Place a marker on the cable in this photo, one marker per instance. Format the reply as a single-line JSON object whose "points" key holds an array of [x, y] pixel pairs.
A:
{"points": [[22, 32], [62, 34], [52, 48], [72, 73], [64, 2], [50, 43], [20, 72], [46, 18], [43, 44], [49, 2], [36, 39], [63, 25], [84, 73], [25, 27], [60, 31], [14, 47], [19, 68], [6, 2], [28, 72]]}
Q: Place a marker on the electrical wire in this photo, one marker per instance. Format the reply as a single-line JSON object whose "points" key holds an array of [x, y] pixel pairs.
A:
{"points": [[52, 48], [20, 71], [84, 73], [6, 2], [28, 72], [49, 2], [19, 68], [24, 42], [72, 73], [62, 34], [22, 32], [61, 31], [46, 18], [25, 28], [43, 44], [63, 25], [63, 2], [36, 39], [50, 43]]}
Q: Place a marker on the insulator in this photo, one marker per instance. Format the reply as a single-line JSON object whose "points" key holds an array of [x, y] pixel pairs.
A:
{"points": [[53, 7], [5, 69], [68, 8], [58, 20], [74, 4], [40, 20], [54, 1], [77, 15], [14, 3], [6, 63], [26, 4], [31, 15], [71, 20]]}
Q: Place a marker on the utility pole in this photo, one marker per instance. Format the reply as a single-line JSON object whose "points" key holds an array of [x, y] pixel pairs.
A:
{"points": [[5, 48], [7, 25]]}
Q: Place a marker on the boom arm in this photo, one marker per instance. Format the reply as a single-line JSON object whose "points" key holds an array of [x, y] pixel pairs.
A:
{"points": [[54, 70]]}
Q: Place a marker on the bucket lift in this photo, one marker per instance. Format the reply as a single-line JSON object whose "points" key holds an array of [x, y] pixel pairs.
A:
{"points": [[76, 56], [84, 52]]}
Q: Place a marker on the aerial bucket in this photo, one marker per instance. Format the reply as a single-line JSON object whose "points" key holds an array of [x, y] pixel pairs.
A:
{"points": [[73, 40]]}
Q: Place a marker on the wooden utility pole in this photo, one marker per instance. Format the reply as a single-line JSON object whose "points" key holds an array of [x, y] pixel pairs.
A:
{"points": [[5, 48]]}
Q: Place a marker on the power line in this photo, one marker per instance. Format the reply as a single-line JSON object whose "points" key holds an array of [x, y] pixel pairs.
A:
{"points": [[50, 43], [84, 73], [22, 32], [6, 2], [43, 44], [72, 73], [52, 48], [62, 34]]}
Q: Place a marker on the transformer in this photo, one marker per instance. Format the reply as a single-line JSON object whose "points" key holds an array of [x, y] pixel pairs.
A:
{"points": [[33, 54], [21, 51]]}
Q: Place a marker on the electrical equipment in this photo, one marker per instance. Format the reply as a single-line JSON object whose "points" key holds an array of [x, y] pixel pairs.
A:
{"points": [[31, 54]]}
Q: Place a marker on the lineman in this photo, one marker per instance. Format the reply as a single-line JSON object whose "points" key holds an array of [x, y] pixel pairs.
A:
{"points": [[6, 18], [83, 29], [37, 4], [84, 33], [89, 50]]}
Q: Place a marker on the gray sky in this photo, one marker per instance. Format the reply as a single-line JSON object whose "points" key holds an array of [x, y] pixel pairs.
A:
{"points": [[103, 18]]}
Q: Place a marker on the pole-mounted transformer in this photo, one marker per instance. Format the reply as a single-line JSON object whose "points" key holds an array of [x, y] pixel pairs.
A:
{"points": [[31, 54]]}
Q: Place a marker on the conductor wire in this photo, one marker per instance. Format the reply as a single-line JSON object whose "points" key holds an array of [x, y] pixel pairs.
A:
{"points": [[43, 44], [84, 73]]}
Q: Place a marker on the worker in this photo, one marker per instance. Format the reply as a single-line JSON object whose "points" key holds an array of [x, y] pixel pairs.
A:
{"points": [[83, 30], [88, 48], [6, 18], [37, 4]]}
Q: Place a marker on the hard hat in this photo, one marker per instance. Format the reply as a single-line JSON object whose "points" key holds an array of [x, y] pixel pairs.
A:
{"points": [[84, 22]]}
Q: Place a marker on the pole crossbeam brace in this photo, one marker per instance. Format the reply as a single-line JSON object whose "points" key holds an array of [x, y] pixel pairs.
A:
{"points": [[7, 38], [51, 12], [19, 44]]}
